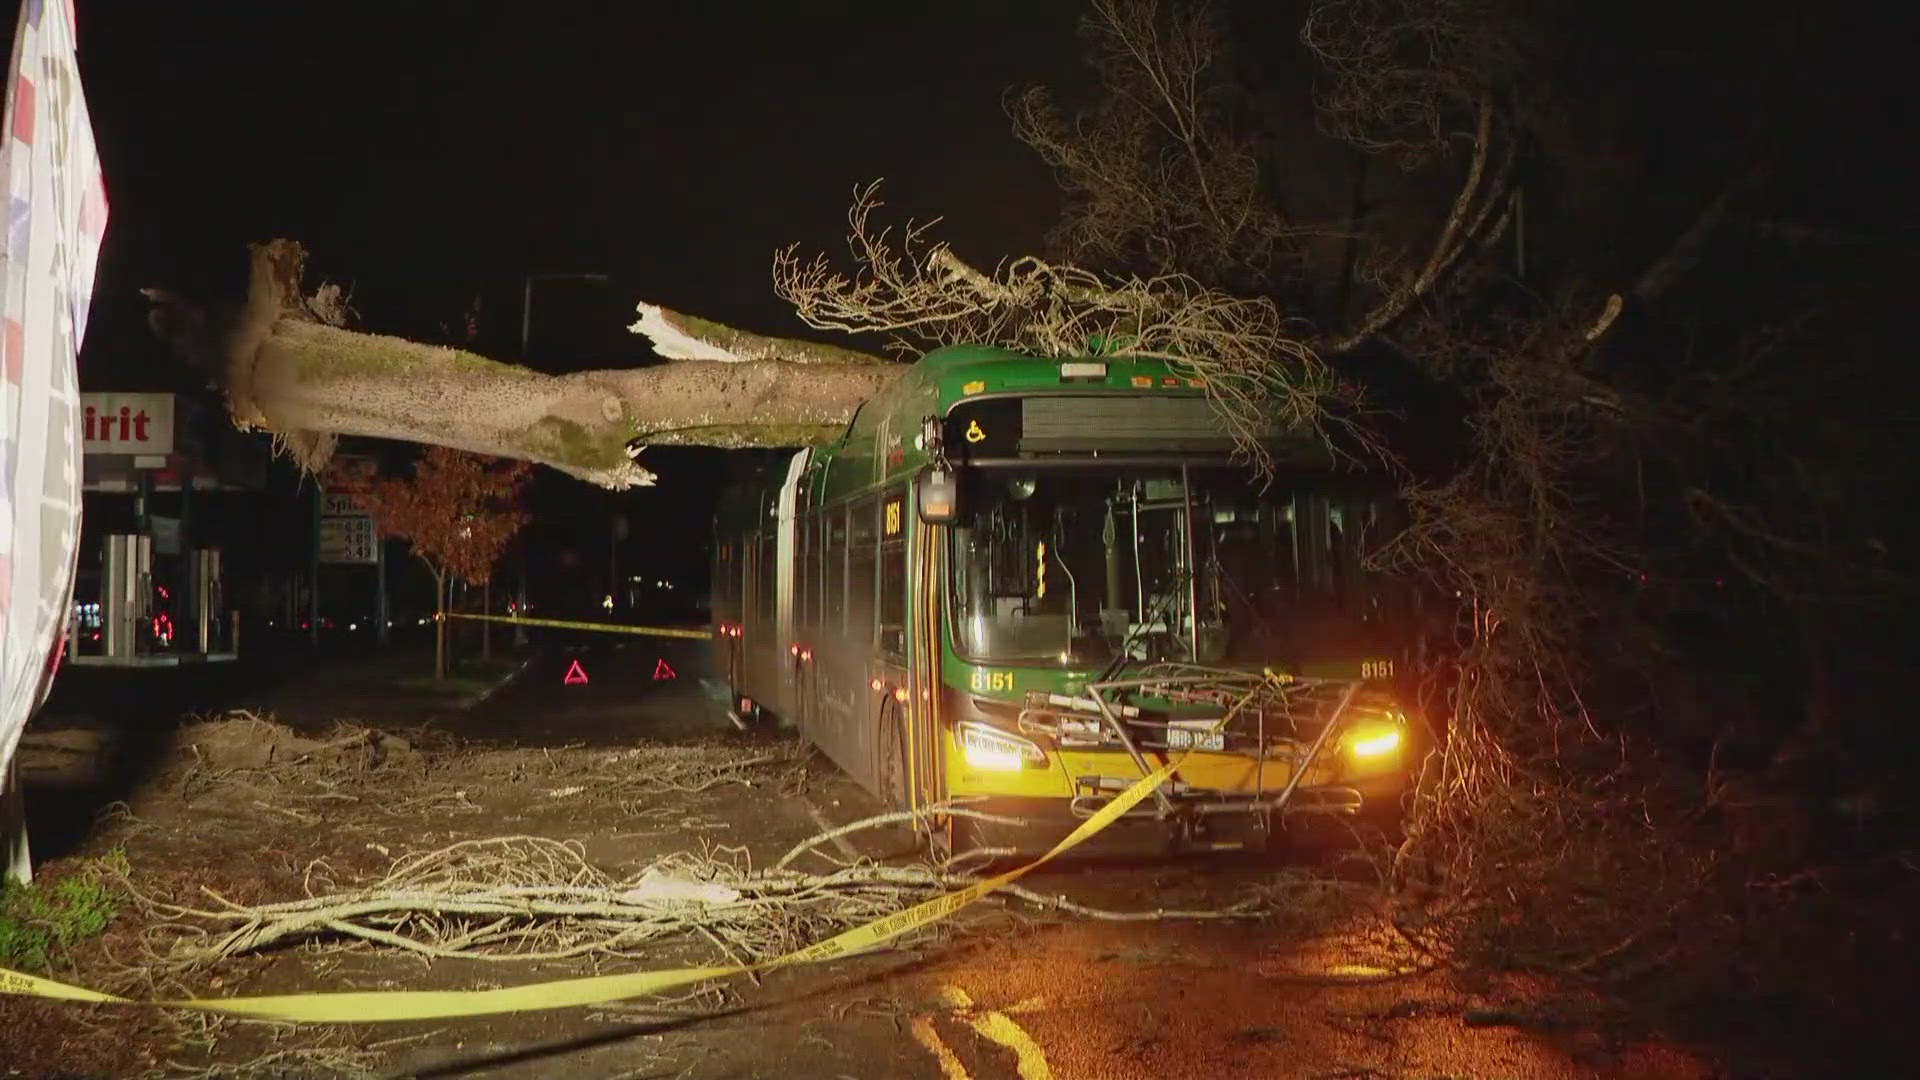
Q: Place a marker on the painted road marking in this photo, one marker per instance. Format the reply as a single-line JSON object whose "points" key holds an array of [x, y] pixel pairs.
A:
{"points": [[840, 842], [923, 1033], [998, 1026]]}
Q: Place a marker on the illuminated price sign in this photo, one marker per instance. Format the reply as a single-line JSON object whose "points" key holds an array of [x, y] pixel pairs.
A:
{"points": [[347, 540]]}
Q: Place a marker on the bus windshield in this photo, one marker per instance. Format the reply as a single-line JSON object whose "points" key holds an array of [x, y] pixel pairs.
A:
{"points": [[1070, 566]]}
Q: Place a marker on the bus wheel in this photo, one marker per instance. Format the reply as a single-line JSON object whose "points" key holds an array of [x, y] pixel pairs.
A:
{"points": [[892, 771], [745, 713]]}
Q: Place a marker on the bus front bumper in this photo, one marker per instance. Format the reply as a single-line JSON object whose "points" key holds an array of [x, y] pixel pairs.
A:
{"points": [[1191, 822]]}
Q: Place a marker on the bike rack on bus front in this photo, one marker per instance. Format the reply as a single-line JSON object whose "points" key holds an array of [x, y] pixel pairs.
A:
{"points": [[1099, 692]]}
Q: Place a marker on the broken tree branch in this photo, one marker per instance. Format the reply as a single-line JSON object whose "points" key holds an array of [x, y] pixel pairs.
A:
{"points": [[1454, 235], [289, 372]]}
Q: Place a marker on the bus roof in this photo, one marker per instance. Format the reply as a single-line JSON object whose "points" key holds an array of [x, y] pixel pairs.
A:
{"points": [[1114, 396]]}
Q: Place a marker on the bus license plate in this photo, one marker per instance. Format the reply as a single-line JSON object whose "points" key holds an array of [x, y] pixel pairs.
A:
{"points": [[1189, 739]]}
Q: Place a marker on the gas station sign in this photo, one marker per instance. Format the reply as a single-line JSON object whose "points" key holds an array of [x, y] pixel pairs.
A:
{"points": [[126, 424], [347, 539], [346, 533]]}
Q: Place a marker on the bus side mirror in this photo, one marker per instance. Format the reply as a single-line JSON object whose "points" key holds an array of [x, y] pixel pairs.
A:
{"points": [[938, 495]]}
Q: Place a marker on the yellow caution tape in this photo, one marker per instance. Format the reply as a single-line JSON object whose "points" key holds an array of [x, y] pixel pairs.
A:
{"points": [[568, 624], [372, 1006]]}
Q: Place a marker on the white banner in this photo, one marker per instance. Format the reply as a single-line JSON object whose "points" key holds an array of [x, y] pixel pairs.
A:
{"points": [[56, 212]]}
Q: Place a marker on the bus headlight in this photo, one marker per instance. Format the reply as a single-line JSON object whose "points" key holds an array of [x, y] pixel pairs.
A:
{"points": [[989, 748], [1375, 744]]}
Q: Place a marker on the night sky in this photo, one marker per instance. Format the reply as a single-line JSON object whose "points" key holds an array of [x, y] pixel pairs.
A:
{"points": [[429, 153]]}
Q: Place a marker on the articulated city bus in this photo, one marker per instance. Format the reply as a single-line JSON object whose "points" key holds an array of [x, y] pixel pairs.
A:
{"points": [[1015, 586]]}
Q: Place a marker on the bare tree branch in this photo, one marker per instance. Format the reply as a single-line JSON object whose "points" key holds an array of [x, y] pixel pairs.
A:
{"points": [[1255, 363], [1156, 175], [1406, 71], [678, 336], [1456, 235]]}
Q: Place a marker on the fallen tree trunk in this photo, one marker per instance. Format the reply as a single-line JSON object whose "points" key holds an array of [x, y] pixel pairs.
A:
{"points": [[285, 370]]}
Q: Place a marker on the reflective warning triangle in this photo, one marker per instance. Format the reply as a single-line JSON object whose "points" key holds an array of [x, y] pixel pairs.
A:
{"points": [[662, 671], [575, 675]]}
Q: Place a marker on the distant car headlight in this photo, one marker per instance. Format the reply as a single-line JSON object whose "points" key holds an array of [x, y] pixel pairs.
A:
{"points": [[989, 748]]}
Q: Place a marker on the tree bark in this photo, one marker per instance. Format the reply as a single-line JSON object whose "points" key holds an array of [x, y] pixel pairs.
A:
{"points": [[307, 381]]}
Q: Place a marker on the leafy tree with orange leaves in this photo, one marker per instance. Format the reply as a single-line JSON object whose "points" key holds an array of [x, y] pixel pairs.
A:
{"points": [[458, 511]]}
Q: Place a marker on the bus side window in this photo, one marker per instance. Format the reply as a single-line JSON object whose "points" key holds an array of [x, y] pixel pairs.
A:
{"points": [[833, 618], [863, 535], [740, 585], [763, 581], [804, 586], [893, 574]]}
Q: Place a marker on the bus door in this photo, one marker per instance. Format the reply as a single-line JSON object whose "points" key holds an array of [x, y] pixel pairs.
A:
{"points": [[927, 776]]}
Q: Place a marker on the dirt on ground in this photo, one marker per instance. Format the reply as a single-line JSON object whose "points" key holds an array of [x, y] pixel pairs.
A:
{"points": [[243, 810]]}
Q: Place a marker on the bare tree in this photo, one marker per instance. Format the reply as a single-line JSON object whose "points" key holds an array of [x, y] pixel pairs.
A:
{"points": [[1157, 174], [1407, 77]]}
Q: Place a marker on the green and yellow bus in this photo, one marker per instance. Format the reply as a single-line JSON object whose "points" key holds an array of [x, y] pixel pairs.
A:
{"points": [[1016, 585]]}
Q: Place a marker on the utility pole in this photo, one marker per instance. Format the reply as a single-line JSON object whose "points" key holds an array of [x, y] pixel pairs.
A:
{"points": [[526, 335], [526, 299]]}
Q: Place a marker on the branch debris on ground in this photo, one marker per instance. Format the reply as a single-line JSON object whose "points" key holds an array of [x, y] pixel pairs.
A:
{"points": [[523, 897]]}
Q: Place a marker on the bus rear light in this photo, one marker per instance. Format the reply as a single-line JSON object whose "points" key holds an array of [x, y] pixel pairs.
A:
{"points": [[806, 655], [793, 650], [994, 750], [900, 694], [875, 684]]}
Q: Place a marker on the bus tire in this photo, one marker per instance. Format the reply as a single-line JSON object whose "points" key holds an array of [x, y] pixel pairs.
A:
{"points": [[890, 772]]}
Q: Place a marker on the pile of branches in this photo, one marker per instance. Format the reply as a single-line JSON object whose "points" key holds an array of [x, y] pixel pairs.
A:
{"points": [[1257, 364], [523, 898], [1577, 819], [1556, 843], [241, 739]]}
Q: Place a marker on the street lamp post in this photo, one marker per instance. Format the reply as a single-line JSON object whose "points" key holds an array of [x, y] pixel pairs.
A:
{"points": [[526, 299], [526, 334]]}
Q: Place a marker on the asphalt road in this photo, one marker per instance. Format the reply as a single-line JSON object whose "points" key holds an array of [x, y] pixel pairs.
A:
{"points": [[607, 692]]}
